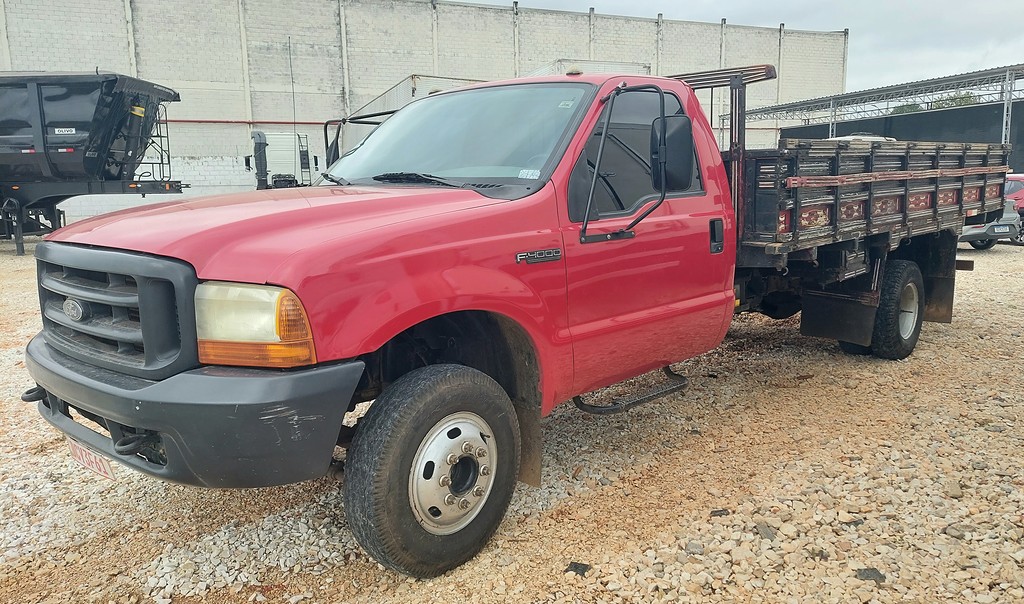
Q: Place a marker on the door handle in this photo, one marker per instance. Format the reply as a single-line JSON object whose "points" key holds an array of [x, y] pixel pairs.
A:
{"points": [[717, 229]]}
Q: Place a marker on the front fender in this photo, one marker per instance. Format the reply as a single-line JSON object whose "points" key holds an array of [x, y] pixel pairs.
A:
{"points": [[360, 291], [363, 316]]}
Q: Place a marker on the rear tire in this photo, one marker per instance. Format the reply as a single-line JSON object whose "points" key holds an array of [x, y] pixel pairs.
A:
{"points": [[1019, 237], [854, 349], [900, 311], [431, 469], [985, 244]]}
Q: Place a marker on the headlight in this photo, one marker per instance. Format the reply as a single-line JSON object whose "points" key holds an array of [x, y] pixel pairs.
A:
{"points": [[252, 326]]}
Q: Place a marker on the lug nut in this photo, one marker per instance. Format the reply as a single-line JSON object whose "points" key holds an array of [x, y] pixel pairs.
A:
{"points": [[481, 452], [478, 492], [452, 459], [467, 447], [485, 470], [449, 499], [464, 504], [446, 480]]}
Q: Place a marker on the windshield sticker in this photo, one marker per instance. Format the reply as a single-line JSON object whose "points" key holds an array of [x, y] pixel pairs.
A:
{"points": [[529, 174], [565, 105]]}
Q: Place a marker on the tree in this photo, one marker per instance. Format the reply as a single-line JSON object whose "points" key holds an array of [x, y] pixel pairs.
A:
{"points": [[954, 100], [958, 99], [908, 108]]}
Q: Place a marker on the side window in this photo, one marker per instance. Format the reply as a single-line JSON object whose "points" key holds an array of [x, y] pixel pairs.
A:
{"points": [[1012, 186], [625, 179]]}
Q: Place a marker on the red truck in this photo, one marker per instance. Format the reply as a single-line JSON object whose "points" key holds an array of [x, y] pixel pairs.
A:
{"points": [[483, 255]]}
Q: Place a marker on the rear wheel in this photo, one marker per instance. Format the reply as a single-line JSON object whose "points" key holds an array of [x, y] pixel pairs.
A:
{"points": [[1019, 237], [900, 311], [984, 244], [431, 469]]}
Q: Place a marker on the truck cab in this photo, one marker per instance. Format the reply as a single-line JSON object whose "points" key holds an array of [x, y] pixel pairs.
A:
{"points": [[482, 256]]}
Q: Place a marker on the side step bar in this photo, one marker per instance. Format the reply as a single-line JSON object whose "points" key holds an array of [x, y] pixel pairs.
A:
{"points": [[675, 383]]}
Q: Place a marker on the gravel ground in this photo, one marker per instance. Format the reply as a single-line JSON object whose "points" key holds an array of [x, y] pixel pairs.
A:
{"points": [[787, 472]]}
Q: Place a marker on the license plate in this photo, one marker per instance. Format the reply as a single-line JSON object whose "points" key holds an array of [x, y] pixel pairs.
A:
{"points": [[90, 459], [1001, 229]]}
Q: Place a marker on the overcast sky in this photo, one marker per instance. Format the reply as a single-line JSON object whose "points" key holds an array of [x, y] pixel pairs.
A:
{"points": [[891, 41]]}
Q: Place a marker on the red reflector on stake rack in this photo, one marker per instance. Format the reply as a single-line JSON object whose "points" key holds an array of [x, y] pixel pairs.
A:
{"points": [[28, 150], [66, 150]]}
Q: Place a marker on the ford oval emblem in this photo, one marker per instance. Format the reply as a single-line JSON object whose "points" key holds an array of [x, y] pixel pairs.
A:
{"points": [[74, 309]]}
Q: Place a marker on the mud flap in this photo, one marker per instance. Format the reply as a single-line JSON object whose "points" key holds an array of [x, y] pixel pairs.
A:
{"points": [[939, 278], [531, 442], [837, 317], [938, 293]]}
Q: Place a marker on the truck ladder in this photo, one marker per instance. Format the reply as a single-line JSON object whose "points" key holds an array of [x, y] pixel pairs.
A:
{"points": [[305, 171]]}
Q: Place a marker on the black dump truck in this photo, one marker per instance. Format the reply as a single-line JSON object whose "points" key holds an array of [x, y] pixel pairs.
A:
{"points": [[68, 134]]}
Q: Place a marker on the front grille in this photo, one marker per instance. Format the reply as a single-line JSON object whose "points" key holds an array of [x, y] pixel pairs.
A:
{"points": [[122, 311], [111, 323]]}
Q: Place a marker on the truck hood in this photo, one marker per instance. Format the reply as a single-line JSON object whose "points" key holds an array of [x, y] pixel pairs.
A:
{"points": [[244, 236]]}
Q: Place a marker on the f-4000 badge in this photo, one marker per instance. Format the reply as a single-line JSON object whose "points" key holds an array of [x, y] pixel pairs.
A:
{"points": [[539, 256]]}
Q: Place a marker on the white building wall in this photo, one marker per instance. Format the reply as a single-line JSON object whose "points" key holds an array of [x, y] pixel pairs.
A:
{"points": [[387, 40], [210, 175], [548, 35], [229, 60], [627, 40], [5, 50], [475, 42], [64, 35], [812, 66], [312, 28]]}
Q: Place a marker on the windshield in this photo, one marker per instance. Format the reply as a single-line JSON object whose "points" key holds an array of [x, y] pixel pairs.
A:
{"points": [[499, 135]]}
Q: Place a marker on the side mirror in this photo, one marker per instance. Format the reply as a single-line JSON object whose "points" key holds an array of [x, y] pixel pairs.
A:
{"points": [[248, 163], [678, 146]]}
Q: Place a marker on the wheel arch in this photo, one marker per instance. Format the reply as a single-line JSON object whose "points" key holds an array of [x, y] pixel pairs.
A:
{"points": [[488, 341]]}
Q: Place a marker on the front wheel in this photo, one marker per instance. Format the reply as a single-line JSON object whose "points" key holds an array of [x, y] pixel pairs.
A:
{"points": [[984, 244], [431, 469], [900, 311]]}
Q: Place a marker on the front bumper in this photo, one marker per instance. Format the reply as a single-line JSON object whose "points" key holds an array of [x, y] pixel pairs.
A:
{"points": [[220, 427]]}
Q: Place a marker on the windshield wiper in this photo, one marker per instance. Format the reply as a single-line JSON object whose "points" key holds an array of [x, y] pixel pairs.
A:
{"points": [[416, 177], [335, 179]]}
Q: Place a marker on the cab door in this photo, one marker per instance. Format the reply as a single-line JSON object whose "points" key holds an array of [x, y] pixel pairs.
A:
{"points": [[663, 295]]}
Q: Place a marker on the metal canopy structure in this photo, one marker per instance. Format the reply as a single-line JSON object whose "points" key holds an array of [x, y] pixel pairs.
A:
{"points": [[985, 86]]}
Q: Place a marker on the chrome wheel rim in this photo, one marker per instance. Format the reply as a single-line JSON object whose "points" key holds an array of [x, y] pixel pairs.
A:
{"points": [[909, 303], [452, 473]]}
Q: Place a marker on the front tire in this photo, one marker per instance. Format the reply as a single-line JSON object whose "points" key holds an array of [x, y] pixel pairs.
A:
{"points": [[984, 244], [900, 311], [431, 469]]}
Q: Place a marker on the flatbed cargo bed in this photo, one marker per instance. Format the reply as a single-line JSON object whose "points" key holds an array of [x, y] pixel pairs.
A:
{"points": [[811, 193]]}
